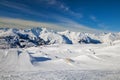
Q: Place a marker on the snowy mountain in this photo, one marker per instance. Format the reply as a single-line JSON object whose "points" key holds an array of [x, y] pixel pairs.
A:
{"points": [[32, 54], [13, 38]]}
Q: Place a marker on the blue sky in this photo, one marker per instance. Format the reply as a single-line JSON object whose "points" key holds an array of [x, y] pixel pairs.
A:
{"points": [[95, 14]]}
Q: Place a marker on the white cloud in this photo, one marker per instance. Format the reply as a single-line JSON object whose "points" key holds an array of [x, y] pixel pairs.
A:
{"points": [[103, 26], [99, 23], [60, 5], [52, 2], [22, 7], [72, 25], [65, 8], [77, 15], [64, 24], [13, 5], [93, 18], [55, 3], [20, 23]]}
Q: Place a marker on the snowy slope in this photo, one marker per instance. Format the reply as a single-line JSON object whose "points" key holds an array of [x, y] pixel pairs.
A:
{"points": [[37, 53], [61, 57]]}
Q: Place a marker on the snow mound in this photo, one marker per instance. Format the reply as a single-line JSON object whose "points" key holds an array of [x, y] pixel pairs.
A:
{"points": [[16, 60]]}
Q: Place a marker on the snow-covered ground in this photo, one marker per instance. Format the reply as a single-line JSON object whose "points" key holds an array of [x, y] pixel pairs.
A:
{"points": [[62, 75], [82, 59], [61, 62]]}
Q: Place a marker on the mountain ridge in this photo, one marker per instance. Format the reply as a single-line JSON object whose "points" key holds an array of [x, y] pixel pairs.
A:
{"points": [[13, 38]]}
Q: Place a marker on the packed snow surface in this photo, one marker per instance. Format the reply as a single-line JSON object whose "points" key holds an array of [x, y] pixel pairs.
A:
{"points": [[48, 55]]}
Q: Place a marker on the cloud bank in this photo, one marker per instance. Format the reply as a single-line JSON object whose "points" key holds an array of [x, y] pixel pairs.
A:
{"points": [[65, 25], [66, 20]]}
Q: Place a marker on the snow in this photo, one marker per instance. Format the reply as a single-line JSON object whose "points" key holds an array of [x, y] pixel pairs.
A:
{"points": [[40, 36], [64, 58], [59, 60]]}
